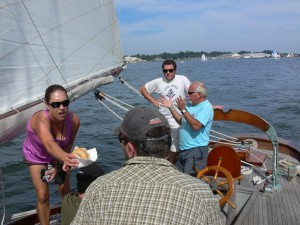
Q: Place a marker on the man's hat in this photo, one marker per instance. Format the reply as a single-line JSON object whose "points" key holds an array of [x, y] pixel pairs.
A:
{"points": [[138, 121]]}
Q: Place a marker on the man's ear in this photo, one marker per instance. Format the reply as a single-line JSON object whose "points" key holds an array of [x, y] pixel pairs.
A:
{"points": [[131, 150]]}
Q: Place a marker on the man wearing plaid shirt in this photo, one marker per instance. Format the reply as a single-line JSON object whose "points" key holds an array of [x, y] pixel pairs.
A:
{"points": [[148, 189]]}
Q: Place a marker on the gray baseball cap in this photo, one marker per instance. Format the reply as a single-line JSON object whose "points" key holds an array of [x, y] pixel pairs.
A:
{"points": [[138, 121]]}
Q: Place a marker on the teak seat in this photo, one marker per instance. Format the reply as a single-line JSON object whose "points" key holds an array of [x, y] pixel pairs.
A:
{"points": [[230, 160]]}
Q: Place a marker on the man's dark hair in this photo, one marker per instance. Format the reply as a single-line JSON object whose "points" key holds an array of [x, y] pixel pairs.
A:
{"points": [[158, 143], [169, 62]]}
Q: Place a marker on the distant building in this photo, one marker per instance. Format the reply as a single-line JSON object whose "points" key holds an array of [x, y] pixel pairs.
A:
{"points": [[129, 59], [236, 56], [255, 55]]}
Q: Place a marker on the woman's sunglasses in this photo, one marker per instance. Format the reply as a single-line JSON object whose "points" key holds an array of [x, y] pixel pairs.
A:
{"points": [[55, 105]]}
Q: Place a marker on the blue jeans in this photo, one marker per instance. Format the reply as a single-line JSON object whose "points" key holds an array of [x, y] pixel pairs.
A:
{"points": [[192, 157]]}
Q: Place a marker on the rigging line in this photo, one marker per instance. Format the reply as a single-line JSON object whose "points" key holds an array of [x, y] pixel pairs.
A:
{"points": [[130, 86], [223, 139], [124, 103], [265, 168], [45, 46], [221, 142], [110, 110], [3, 197], [260, 150], [133, 89], [248, 164], [116, 104], [223, 134]]}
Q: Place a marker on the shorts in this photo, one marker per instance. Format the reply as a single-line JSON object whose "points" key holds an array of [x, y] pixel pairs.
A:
{"points": [[25, 161], [194, 157], [61, 175], [175, 140]]}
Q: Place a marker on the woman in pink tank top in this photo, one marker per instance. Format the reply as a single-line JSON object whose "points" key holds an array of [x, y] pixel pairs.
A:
{"points": [[50, 135]]}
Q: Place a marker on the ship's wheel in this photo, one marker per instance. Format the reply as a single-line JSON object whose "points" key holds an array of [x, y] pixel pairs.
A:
{"points": [[223, 168], [220, 181]]}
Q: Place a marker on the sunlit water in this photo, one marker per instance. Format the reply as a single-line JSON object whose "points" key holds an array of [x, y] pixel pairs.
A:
{"points": [[266, 87]]}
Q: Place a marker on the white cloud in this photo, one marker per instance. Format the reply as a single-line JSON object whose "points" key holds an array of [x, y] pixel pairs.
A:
{"points": [[158, 26]]}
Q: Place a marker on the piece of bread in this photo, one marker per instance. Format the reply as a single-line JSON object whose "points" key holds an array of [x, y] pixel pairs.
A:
{"points": [[81, 152]]}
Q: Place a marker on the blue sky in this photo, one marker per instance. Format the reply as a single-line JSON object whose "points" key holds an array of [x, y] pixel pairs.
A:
{"points": [[157, 26]]}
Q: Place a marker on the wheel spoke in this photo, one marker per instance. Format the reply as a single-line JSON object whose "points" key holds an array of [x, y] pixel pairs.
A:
{"points": [[206, 179], [216, 175], [221, 183], [220, 193]]}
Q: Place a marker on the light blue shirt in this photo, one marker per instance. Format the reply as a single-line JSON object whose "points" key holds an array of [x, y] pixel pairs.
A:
{"points": [[190, 138]]}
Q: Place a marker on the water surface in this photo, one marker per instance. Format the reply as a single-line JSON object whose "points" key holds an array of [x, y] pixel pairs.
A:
{"points": [[266, 87]]}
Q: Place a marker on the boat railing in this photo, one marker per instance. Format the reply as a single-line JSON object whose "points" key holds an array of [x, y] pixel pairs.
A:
{"points": [[239, 116]]}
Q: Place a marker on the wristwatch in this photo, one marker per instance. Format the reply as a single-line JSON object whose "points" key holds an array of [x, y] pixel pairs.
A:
{"points": [[183, 111]]}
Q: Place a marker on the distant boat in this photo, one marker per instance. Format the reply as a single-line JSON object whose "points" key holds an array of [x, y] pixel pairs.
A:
{"points": [[203, 57], [290, 55], [275, 55]]}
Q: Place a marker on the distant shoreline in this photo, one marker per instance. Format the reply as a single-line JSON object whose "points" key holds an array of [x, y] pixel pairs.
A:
{"points": [[188, 55]]}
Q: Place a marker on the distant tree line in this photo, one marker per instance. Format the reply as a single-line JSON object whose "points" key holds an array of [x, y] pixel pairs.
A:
{"points": [[189, 55]]}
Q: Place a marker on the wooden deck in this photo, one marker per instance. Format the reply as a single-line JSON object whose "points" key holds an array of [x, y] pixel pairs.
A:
{"points": [[262, 207]]}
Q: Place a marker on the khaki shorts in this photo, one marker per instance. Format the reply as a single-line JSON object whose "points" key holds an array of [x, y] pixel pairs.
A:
{"points": [[175, 140]]}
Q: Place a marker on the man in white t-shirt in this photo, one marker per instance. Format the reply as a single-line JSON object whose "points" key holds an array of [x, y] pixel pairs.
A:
{"points": [[171, 86]]}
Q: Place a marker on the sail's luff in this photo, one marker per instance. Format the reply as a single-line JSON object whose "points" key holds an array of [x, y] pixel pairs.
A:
{"points": [[43, 42]]}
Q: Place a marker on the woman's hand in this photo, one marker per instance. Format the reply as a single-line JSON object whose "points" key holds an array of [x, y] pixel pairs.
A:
{"points": [[51, 173], [70, 161]]}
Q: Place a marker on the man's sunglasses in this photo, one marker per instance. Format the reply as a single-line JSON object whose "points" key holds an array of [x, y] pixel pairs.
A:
{"points": [[170, 70], [55, 105], [191, 92], [122, 139]]}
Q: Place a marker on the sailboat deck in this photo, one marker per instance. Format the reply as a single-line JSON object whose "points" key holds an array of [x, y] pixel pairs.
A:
{"points": [[256, 206]]}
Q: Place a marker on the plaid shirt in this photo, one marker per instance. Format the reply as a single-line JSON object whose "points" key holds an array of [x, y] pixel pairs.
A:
{"points": [[148, 190]]}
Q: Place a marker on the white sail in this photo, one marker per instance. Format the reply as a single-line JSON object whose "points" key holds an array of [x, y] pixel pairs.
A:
{"points": [[74, 43], [203, 57]]}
